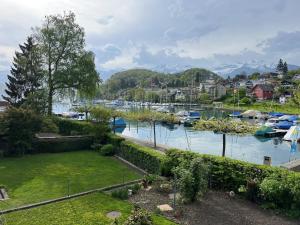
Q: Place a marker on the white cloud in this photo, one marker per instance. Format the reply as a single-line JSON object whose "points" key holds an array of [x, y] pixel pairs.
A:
{"points": [[175, 30]]}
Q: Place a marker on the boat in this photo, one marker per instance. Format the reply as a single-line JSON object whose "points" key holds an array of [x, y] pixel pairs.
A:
{"points": [[271, 122], [252, 114], [163, 109], [262, 131], [284, 124], [275, 114], [235, 114], [119, 122], [191, 118], [292, 134]]}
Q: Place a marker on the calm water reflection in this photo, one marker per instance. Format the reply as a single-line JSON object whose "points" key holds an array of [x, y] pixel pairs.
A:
{"points": [[247, 148]]}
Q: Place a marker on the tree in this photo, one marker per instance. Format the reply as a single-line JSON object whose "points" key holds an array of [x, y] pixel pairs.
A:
{"points": [[279, 67], [285, 68], [68, 65], [25, 74]]}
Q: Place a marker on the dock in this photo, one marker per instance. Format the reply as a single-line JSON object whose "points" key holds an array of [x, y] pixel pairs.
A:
{"points": [[276, 133], [293, 165]]}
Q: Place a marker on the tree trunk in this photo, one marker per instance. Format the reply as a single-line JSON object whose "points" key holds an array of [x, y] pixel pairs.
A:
{"points": [[50, 99]]}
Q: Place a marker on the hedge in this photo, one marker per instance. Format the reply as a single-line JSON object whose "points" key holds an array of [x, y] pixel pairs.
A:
{"points": [[225, 173], [277, 187], [145, 158], [73, 127], [61, 144]]}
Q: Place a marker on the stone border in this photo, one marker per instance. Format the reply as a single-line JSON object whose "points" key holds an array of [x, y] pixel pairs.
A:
{"points": [[108, 188], [131, 165]]}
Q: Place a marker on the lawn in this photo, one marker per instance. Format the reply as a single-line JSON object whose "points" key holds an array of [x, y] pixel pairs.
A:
{"points": [[85, 210], [267, 107], [35, 178]]}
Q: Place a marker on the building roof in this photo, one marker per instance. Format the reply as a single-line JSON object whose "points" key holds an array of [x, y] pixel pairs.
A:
{"points": [[264, 87]]}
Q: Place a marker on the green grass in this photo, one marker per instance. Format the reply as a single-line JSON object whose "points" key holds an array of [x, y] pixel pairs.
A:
{"points": [[85, 210], [35, 178], [267, 106]]}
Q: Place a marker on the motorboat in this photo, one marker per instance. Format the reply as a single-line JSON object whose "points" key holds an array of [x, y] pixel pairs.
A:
{"points": [[292, 134], [118, 122], [235, 114], [271, 122], [192, 117], [252, 114]]}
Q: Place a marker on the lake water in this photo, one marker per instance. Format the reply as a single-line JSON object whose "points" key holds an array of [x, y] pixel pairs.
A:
{"points": [[246, 148]]}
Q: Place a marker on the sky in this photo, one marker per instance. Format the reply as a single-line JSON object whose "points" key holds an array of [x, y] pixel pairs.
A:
{"points": [[150, 33]]}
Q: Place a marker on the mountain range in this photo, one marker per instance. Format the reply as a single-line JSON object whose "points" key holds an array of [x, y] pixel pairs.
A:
{"points": [[223, 70]]}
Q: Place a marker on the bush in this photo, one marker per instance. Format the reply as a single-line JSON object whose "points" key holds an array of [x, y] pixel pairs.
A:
{"points": [[19, 126], [48, 126], [246, 101], [120, 193], [139, 217], [193, 179], [143, 157], [282, 191], [107, 150], [73, 127], [61, 144]]}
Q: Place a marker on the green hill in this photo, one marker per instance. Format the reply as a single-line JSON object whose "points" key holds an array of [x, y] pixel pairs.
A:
{"points": [[143, 78]]}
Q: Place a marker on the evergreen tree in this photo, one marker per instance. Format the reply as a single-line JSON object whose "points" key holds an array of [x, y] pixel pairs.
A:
{"points": [[280, 66], [25, 74], [285, 68]]}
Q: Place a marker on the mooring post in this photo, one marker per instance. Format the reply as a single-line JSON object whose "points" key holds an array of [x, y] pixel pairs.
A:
{"points": [[224, 145], [137, 127], [114, 125], [154, 134]]}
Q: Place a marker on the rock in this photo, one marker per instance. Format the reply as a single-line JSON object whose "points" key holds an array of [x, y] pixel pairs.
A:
{"points": [[171, 196], [113, 214], [165, 208]]}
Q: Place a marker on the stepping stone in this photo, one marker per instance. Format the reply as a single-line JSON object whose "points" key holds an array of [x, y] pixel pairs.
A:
{"points": [[148, 188], [171, 196], [3, 194], [165, 208], [113, 214]]}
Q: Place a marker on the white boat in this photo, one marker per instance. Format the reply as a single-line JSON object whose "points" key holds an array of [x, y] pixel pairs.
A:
{"points": [[252, 114], [292, 134], [271, 122]]}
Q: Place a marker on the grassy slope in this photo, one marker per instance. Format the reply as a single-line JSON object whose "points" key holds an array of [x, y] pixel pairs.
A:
{"points": [[35, 178], [90, 209], [268, 107]]}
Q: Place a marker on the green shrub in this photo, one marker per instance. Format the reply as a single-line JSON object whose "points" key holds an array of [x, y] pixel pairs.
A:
{"points": [[48, 126], [139, 217], [192, 179], [282, 190], [19, 126], [115, 140], [61, 144], [246, 101], [143, 157], [120, 193], [107, 150], [73, 127]]}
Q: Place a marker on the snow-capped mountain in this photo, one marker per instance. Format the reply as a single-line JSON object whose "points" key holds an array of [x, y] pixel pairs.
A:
{"points": [[247, 68]]}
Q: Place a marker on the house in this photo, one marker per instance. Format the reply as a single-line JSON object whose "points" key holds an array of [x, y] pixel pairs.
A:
{"points": [[249, 84], [263, 91], [282, 99], [296, 77], [286, 84], [214, 89]]}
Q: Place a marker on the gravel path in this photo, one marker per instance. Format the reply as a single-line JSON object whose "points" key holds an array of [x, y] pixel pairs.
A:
{"points": [[217, 208]]}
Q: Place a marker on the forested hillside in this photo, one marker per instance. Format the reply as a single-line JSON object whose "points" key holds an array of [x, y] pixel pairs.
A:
{"points": [[142, 78]]}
